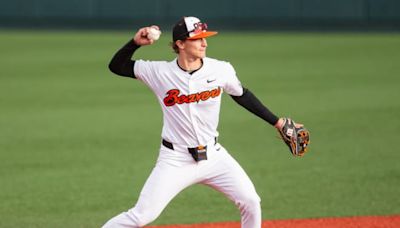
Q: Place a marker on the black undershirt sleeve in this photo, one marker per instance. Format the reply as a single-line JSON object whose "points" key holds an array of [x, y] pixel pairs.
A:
{"points": [[249, 101], [122, 63]]}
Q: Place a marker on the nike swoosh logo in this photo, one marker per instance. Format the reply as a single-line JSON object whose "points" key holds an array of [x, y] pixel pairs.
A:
{"points": [[209, 81]]}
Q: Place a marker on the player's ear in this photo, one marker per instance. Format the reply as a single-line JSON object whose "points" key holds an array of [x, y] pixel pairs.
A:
{"points": [[180, 44]]}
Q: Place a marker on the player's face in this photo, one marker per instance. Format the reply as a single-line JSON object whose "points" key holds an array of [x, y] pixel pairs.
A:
{"points": [[195, 48]]}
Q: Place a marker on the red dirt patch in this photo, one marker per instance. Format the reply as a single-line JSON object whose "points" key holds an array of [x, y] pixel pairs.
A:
{"points": [[392, 221]]}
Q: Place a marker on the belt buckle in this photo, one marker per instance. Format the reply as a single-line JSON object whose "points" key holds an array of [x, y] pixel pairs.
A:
{"points": [[199, 153], [202, 152]]}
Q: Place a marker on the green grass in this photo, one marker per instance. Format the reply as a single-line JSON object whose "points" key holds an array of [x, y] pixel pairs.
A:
{"points": [[77, 143]]}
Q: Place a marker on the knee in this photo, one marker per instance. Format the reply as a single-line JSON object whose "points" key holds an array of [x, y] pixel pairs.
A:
{"points": [[132, 218], [120, 221], [143, 217], [251, 204]]}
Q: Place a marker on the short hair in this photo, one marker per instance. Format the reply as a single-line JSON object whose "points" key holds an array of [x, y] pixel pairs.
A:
{"points": [[175, 47]]}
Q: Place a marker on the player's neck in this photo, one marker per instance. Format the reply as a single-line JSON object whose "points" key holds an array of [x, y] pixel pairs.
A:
{"points": [[190, 64]]}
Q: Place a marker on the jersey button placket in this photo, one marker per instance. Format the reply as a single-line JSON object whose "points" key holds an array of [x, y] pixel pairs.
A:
{"points": [[192, 108]]}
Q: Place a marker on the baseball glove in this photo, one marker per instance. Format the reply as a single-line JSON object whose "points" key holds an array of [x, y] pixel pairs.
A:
{"points": [[297, 138]]}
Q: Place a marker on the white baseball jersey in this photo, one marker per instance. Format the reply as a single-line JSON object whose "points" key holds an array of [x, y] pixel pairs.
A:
{"points": [[190, 102], [191, 105]]}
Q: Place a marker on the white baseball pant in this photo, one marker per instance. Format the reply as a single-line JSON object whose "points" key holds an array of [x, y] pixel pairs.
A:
{"points": [[176, 170]]}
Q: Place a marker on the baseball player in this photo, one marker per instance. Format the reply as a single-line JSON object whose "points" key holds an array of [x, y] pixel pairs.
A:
{"points": [[189, 89]]}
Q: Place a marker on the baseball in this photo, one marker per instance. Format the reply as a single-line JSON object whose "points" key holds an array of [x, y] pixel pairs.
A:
{"points": [[153, 34]]}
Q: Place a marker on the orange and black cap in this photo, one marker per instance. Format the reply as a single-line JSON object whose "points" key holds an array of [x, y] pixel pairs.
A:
{"points": [[191, 28]]}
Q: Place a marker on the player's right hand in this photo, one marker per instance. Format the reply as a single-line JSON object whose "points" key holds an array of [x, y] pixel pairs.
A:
{"points": [[141, 36]]}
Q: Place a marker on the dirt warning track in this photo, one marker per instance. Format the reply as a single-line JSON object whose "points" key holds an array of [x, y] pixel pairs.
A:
{"points": [[390, 221]]}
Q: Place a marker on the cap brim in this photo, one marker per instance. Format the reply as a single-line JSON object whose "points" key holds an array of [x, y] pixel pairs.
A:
{"points": [[203, 35]]}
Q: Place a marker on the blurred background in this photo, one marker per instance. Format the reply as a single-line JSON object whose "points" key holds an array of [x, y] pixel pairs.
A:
{"points": [[77, 142], [234, 14]]}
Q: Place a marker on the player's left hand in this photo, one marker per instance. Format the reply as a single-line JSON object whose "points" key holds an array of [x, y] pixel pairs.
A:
{"points": [[141, 36], [294, 135]]}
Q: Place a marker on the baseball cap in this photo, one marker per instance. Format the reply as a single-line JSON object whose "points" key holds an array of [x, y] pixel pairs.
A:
{"points": [[190, 28]]}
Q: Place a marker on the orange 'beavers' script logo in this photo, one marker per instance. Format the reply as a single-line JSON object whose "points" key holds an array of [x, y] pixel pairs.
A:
{"points": [[173, 96]]}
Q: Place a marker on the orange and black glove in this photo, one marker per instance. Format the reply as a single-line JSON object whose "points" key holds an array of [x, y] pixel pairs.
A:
{"points": [[296, 137]]}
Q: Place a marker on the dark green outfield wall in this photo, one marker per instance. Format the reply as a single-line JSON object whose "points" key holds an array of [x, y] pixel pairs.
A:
{"points": [[223, 13]]}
